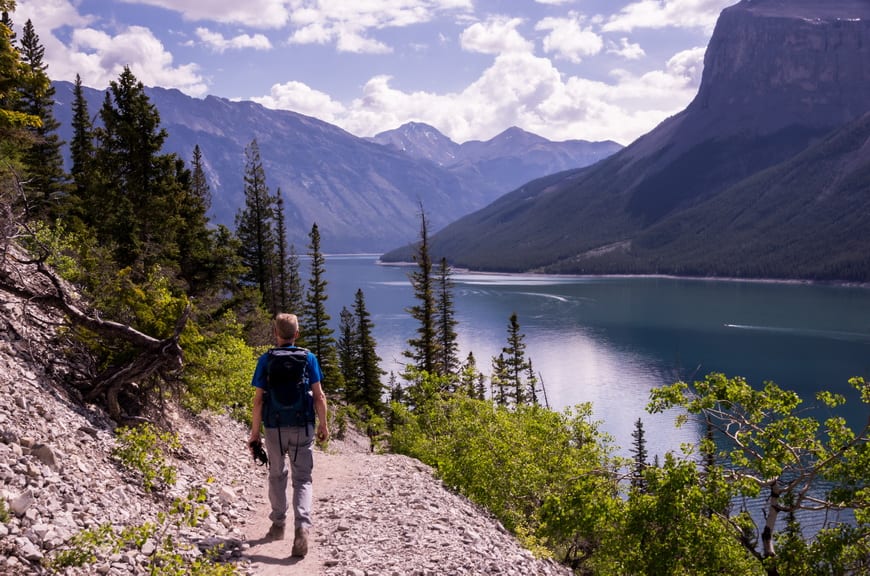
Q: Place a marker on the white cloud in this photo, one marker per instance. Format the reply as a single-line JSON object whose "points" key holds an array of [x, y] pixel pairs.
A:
{"points": [[216, 41], [351, 41], [300, 98], [664, 13], [255, 13], [568, 39], [518, 89], [347, 38], [626, 49], [498, 35], [100, 58], [48, 15], [349, 24]]}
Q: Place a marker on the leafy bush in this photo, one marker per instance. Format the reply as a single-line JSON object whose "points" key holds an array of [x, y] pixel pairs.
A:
{"points": [[219, 371], [4, 512], [509, 461], [143, 449]]}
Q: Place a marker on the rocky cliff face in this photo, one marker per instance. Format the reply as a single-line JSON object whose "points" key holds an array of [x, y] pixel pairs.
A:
{"points": [[772, 62]]}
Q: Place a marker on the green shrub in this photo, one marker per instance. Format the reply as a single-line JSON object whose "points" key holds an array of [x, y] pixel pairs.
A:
{"points": [[143, 449], [219, 370], [509, 461]]}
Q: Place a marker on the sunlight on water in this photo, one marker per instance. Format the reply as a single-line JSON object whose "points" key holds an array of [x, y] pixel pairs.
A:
{"points": [[610, 340]]}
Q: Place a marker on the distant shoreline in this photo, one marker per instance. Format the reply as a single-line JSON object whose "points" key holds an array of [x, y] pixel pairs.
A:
{"points": [[797, 281]]}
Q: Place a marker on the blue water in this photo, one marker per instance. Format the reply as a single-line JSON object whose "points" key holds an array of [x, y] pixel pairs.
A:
{"points": [[610, 340]]}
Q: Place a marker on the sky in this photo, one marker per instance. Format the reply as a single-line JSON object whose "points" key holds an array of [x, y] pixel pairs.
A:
{"points": [[562, 69]]}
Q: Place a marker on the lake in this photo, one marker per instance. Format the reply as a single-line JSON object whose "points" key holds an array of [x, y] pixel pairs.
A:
{"points": [[610, 340]]}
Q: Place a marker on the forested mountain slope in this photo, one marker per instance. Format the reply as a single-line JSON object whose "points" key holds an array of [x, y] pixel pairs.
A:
{"points": [[364, 196]]}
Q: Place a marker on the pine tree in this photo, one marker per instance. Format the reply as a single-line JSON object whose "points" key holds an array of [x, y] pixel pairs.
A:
{"points": [[200, 188], [295, 294], [639, 454], [288, 292], [318, 335], [370, 372], [499, 380], [348, 355], [424, 347], [137, 195], [516, 366], [6, 20], [196, 241], [42, 157], [469, 376], [448, 347], [13, 123], [81, 151], [255, 229], [532, 384]]}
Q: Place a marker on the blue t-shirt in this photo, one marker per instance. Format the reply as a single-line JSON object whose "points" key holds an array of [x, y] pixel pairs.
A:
{"points": [[259, 379]]}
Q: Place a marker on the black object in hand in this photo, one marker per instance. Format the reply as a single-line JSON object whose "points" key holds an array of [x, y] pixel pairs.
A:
{"points": [[258, 452]]}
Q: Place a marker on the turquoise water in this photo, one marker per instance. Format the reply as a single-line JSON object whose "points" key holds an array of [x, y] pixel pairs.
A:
{"points": [[609, 341]]}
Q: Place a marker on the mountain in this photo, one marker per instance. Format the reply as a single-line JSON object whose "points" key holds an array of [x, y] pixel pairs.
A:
{"points": [[759, 176], [495, 166], [421, 141], [364, 196]]}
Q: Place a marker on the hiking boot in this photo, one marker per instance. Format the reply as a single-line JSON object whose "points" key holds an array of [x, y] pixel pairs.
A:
{"points": [[300, 543], [276, 532]]}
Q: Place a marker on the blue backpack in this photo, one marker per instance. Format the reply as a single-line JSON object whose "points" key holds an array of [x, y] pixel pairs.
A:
{"points": [[287, 396]]}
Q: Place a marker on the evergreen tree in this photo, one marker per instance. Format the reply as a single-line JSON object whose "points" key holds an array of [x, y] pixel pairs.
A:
{"points": [[370, 385], [42, 156], [469, 378], [287, 279], [639, 454], [516, 366], [532, 384], [423, 351], [137, 195], [200, 188], [81, 150], [13, 123], [348, 355], [318, 335], [499, 380], [6, 20], [295, 294], [255, 229], [448, 347], [196, 241]]}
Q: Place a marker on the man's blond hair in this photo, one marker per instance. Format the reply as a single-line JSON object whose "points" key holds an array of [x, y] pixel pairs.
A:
{"points": [[286, 326]]}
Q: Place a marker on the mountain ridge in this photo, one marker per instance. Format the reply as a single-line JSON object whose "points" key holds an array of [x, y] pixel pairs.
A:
{"points": [[744, 121], [364, 196]]}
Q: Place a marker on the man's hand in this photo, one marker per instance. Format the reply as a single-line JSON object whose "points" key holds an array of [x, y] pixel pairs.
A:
{"points": [[258, 452], [322, 432]]}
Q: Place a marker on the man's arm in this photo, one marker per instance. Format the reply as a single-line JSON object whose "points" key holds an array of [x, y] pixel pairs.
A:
{"points": [[321, 411], [256, 416]]}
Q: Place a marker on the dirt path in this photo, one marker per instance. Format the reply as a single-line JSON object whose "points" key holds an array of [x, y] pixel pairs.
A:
{"points": [[387, 514], [335, 472]]}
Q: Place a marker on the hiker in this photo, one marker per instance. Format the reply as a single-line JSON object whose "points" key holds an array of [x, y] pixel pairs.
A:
{"points": [[289, 374]]}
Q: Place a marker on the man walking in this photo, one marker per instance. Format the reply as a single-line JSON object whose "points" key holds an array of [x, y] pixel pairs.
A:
{"points": [[287, 397]]}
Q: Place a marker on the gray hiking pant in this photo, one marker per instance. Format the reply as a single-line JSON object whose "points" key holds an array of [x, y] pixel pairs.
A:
{"points": [[298, 448]]}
